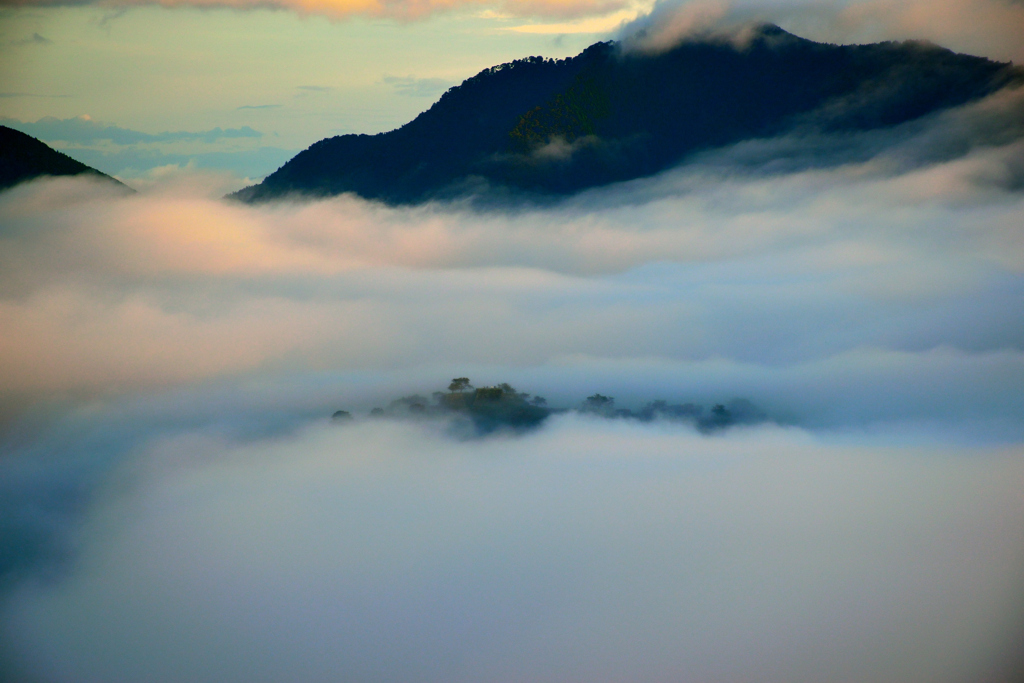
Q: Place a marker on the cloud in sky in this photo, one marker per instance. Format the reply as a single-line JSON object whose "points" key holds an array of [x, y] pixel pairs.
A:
{"points": [[35, 39], [405, 9], [130, 153], [667, 24], [985, 27], [989, 28], [135, 163], [600, 23], [417, 87], [84, 130]]}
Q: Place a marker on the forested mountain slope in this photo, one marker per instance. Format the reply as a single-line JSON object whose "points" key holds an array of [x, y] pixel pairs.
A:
{"points": [[560, 126], [22, 158]]}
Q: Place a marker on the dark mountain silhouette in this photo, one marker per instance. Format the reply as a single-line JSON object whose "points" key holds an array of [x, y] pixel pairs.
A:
{"points": [[555, 127], [22, 158]]}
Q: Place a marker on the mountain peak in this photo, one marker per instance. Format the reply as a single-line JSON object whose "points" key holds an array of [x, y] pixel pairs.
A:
{"points": [[554, 127], [23, 158]]}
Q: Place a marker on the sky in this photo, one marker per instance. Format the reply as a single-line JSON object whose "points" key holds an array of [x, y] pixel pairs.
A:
{"points": [[293, 78], [177, 506]]}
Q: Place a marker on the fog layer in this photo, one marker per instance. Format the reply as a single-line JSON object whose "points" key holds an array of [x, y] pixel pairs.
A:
{"points": [[174, 506], [868, 287], [588, 551]]}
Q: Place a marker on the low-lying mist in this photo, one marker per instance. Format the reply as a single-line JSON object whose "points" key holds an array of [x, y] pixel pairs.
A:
{"points": [[590, 550], [176, 506]]}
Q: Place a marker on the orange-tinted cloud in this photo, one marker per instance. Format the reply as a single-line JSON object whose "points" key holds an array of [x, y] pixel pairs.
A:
{"points": [[339, 9], [102, 294], [990, 28]]}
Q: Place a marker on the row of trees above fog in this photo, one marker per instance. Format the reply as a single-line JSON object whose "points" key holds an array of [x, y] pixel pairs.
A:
{"points": [[489, 408]]}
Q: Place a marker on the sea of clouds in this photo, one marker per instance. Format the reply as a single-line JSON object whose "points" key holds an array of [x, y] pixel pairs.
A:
{"points": [[175, 506]]}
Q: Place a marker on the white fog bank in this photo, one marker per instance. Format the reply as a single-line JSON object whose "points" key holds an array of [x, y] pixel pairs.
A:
{"points": [[588, 551], [893, 277]]}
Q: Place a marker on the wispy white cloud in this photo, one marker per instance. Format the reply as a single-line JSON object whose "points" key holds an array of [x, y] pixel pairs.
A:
{"points": [[404, 9], [988, 28], [599, 24], [84, 129], [128, 153], [34, 39], [985, 27], [417, 87]]}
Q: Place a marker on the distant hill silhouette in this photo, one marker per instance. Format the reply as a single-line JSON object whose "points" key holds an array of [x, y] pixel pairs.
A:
{"points": [[22, 158], [559, 126]]}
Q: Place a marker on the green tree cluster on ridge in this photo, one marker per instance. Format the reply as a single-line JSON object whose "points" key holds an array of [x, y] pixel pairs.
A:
{"points": [[501, 406], [569, 116]]}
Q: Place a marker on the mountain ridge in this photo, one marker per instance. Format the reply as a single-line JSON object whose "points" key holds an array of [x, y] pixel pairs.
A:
{"points": [[24, 158], [556, 127]]}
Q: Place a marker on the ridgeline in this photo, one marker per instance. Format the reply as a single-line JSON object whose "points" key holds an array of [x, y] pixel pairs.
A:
{"points": [[555, 127], [24, 158]]}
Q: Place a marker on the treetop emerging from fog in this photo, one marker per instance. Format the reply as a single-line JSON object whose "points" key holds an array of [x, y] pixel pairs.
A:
{"points": [[501, 406]]}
